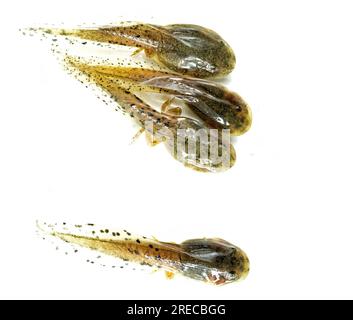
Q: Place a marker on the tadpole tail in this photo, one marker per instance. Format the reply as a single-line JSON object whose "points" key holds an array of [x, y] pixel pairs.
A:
{"points": [[133, 73], [119, 35], [112, 243]]}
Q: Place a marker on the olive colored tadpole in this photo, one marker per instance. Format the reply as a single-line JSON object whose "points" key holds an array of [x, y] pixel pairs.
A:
{"points": [[211, 260], [212, 102], [183, 48], [188, 140]]}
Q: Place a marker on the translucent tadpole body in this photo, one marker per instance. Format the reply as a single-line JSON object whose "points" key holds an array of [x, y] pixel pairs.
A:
{"points": [[214, 261], [183, 48], [213, 103]]}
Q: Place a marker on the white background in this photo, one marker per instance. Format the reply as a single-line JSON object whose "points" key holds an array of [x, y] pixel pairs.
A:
{"points": [[287, 202]]}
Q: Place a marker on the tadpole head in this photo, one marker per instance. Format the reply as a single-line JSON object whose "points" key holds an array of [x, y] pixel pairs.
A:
{"points": [[239, 265], [239, 114], [230, 267], [200, 148], [196, 51], [222, 261]]}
